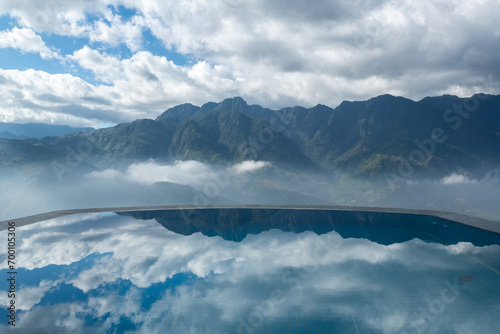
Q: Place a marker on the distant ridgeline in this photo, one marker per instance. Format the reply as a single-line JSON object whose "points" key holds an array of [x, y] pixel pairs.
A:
{"points": [[367, 139], [35, 130]]}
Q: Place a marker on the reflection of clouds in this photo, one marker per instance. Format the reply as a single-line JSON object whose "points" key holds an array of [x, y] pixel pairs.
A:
{"points": [[33, 294], [114, 306], [59, 318], [30, 296], [381, 286], [105, 270]]}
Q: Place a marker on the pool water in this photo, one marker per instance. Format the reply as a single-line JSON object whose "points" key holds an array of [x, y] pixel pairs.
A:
{"points": [[254, 271]]}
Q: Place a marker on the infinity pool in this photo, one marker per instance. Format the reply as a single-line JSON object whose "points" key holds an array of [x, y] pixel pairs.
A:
{"points": [[253, 271]]}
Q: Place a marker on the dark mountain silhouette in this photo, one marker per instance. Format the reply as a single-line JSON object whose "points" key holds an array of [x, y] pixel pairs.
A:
{"points": [[380, 227]]}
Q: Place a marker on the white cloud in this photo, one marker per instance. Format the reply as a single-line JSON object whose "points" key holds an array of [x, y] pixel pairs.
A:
{"points": [[193, 173], [53, 16], [190, 172], [150, 81], [105, 68], [115, 31], [142, 86], [184, 172], [37, 96], [249, 166], [26, 41], [138, 87], [107, 174], [456, 179], [270, 40]]}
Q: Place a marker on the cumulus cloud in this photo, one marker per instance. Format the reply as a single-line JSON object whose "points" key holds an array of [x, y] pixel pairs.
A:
{"points": [[137, 87], [27, 42], [149, 81], [388, 42], [37, 96], [58, 17], [115, 31]]}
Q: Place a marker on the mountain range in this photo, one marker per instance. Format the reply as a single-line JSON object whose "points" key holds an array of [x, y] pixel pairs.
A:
{"points": [[367, 139], [439, 153], [35, 130]]}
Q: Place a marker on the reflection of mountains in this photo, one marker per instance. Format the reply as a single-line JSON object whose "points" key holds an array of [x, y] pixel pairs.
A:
{"points": [[380, 227]]}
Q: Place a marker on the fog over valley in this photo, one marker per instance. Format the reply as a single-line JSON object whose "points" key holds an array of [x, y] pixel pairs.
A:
{"points": [[387, 151]]}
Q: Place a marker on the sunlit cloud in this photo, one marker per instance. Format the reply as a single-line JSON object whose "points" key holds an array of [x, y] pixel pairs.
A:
{"points": [[26, 41]]}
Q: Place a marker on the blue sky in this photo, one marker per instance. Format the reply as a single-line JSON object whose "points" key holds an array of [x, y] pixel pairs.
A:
{"points": [[13, 58], [119, 60]]}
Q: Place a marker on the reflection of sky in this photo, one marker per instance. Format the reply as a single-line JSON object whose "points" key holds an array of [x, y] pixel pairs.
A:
{"points": [[106, 273]]}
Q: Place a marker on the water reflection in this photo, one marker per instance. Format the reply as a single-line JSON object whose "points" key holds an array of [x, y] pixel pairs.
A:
{"points": [[259, 271], [379, 227]]}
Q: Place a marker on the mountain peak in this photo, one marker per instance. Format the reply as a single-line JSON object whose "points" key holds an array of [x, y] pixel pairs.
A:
{"points": [[388, 97], [187, 110], [236, 99], [235, 103], [179, 112], [321, 107]]}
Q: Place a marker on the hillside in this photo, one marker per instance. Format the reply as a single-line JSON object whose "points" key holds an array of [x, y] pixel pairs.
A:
{"points": [[366, 139]]}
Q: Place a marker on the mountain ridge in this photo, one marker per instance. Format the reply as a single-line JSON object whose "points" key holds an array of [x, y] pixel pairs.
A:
{"points": [[35, 130], [358, 138]]}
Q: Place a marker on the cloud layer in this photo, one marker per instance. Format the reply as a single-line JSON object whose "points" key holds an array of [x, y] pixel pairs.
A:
{"points": [[277, 54], [193, 173]]}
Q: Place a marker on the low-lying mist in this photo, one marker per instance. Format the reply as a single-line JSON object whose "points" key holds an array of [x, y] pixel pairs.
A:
{"points": [[250, 182]]}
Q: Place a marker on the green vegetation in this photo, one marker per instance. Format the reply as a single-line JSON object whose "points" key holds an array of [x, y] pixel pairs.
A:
{"points": [[360, 139]]}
